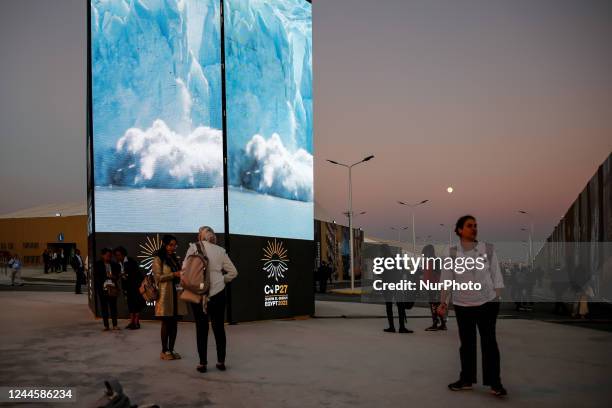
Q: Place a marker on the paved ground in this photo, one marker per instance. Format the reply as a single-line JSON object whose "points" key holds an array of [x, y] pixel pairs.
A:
{"points": [[36, 274], [50, 338]]}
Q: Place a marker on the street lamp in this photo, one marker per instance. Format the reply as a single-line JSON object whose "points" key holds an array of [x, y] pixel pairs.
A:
{"points": [[399, 232], [530, 236], [355, 216], [350, 211], [412, 207]]}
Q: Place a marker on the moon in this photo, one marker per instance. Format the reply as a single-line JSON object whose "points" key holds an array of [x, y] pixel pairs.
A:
{"points": [[449, 190]]}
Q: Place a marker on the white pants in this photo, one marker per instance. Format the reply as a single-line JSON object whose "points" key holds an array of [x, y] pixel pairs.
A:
{"points": [[15, 276]]}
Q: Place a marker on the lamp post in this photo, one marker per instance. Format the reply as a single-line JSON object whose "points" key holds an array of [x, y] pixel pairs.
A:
{"points": [[399, 232], [355, 216], [530, 236], [412, 207], [350, 211]]}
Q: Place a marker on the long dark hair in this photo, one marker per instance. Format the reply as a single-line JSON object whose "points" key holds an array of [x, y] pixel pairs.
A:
{"points": [[461, 222], [168, 259]]}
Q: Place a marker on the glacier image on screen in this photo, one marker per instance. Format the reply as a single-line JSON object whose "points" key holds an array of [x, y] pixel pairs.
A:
{"points": [[268, 54], [157, 116]]}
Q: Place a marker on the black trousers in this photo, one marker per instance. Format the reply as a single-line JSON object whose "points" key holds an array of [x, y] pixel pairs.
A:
{"points": [[216, 315], [80, 279], [484, 318], [401, 311], [106, 303]]}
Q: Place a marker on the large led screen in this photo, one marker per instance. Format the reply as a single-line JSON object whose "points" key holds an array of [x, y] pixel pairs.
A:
{"points": [[268, 55], [157, 117]]}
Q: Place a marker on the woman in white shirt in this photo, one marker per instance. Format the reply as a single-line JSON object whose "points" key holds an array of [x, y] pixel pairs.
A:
{"points": [[475, 308]]}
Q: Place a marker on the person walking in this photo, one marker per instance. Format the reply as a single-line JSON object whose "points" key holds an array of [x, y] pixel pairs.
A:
{"points": [[15, 265], [168, 308], [475, 309], [220, 271], [131, 278], [394, 277], [79, 269], [431, 274], [106, 285]]}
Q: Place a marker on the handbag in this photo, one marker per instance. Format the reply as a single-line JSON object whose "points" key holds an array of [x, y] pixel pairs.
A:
{"points": [[195, 279], [148, 288]]}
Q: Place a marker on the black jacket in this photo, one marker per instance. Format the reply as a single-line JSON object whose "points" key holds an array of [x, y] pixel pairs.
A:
{"points": [[100, 274], [132, 277]]}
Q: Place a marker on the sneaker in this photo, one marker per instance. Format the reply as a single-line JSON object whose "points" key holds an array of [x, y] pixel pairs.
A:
{"points": [[442, 327], [201, 368], [432, 328], [166, 355], [221, 366], [389, 330], [499, 391], [460, 386], [116, 328], [176, 355], [130, 326], [405, 330], [106, 329]]}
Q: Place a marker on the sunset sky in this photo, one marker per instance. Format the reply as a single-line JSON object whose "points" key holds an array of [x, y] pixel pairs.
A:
{"points": [[509, 102]]}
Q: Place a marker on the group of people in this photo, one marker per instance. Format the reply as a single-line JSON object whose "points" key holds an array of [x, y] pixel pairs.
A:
{"points": [[475, 310], [55, 260], [123, 274]]}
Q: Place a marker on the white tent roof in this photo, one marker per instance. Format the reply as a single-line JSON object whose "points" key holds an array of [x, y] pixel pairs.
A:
{"points": [[49, 210]]}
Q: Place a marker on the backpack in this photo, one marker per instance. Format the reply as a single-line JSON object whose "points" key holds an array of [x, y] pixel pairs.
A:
{"points": [[148, 288], [489, 248], [195, 279]]}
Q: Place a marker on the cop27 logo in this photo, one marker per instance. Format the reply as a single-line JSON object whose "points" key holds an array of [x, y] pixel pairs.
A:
{"points": [[148, 251], [275, 260]]}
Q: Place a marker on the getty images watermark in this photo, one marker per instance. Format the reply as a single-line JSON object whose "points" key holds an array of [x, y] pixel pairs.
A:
{"points": [[402, 264]]}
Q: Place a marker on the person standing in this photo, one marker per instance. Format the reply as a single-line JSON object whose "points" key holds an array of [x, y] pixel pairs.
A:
{"points": [[63, 260], [323, 274], [168, 308], [221, 271], [15, 265], [431, 274], [79, 269], [475, 309], [131, 278], [53, 261], [106, 285], [46, 260]]}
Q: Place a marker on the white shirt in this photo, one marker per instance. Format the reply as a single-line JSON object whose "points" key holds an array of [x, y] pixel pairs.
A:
{"points": [[218, 262], [489, 277]]}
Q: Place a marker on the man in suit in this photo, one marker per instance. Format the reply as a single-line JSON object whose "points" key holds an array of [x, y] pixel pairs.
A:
{"points": [[79, 268], [106, 284]]}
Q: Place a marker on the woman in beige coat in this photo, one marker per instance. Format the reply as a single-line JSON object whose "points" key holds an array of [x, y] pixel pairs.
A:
{"points": [[168, 308]]}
